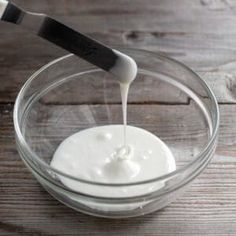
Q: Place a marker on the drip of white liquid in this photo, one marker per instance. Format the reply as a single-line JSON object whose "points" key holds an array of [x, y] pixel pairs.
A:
{"points": [[124, 90]]}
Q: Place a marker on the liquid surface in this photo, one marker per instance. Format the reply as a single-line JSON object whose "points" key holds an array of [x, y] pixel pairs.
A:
{"points": [[98, 154]]}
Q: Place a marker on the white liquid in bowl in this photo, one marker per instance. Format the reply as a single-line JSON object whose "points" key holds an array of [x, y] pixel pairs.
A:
{"points": [[97, 154], [114, 154]]}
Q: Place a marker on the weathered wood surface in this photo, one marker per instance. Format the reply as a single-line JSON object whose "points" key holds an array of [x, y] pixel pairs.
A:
{"points": [[200, 33]]}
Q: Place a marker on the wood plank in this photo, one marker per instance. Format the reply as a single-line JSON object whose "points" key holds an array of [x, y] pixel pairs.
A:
{"points": [[207, 208], [207, 45], [101, 88], [209, 203]]}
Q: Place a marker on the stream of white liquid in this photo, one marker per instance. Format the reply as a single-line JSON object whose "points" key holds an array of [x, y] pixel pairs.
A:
{"points": [[124, 90]]}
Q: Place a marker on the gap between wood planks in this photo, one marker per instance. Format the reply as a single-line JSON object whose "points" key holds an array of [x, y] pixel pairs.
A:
{"points": [[11, 104]]}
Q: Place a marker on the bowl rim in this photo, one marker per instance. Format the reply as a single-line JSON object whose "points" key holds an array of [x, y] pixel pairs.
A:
{"points": [[19, 136]]}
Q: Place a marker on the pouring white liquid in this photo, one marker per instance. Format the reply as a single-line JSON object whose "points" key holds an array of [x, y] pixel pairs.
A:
{"points": [[114, 154]]}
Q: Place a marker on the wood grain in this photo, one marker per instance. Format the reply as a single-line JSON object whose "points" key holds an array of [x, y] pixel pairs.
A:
{"points": [[200, 33], [210, 200], [203, 37]]}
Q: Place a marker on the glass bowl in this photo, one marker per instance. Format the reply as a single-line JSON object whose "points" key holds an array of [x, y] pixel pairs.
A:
{"points": [[69, 95]]}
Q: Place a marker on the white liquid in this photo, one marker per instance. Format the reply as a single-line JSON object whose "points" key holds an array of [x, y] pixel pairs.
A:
{"points": [[124, 90], [114, 154], [97, 154]]}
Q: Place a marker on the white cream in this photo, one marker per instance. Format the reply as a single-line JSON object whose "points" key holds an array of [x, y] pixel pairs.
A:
{"points": [[97, 154], [114, 153]]}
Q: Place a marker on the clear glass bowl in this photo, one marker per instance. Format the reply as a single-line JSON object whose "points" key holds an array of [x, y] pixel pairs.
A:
{"points": [[69, 94]]}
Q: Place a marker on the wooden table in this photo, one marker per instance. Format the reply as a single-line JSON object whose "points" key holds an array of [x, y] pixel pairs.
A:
{"points": [[200, 33]]}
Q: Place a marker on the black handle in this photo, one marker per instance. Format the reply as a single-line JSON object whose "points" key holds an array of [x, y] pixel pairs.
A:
{"points": [[77, 43]]}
